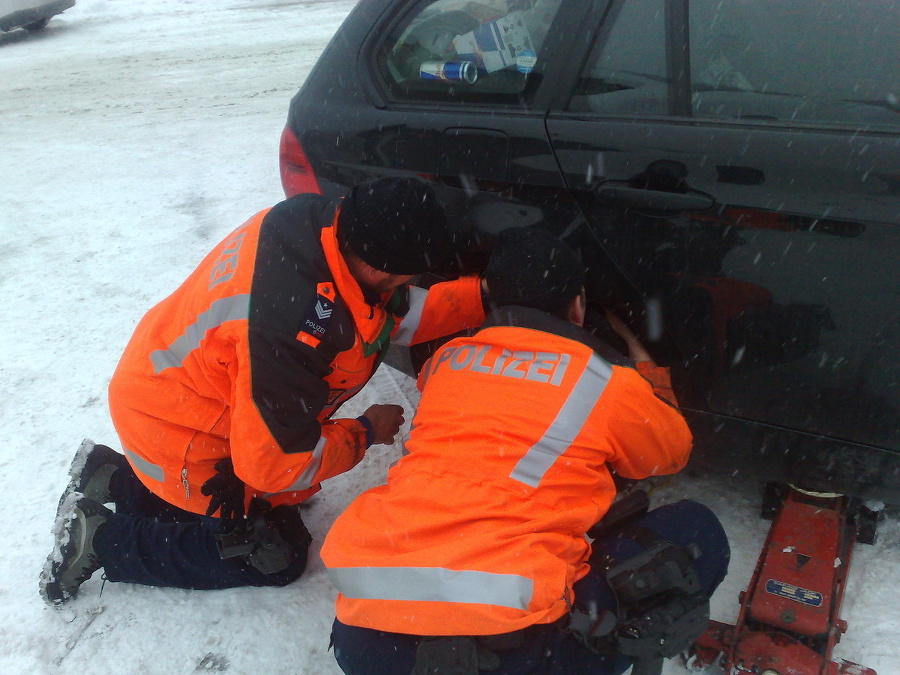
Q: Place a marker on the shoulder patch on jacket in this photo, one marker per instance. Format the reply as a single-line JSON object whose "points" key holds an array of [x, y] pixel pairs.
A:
{"points": [[318, 316]]}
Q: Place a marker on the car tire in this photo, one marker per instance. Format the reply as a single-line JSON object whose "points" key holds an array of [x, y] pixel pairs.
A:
{"points": [[40, 24]]}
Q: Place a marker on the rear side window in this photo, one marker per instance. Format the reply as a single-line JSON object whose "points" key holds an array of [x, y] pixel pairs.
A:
{"points": [[804, 61], [462, 50]]}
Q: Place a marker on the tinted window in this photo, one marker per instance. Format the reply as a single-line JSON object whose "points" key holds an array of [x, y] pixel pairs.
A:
{"points": [[465, 50], [627, 71], [804, 61]]}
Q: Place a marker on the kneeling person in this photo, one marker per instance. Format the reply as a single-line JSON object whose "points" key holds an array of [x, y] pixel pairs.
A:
{"points": [[225, 397], [474, 553]]}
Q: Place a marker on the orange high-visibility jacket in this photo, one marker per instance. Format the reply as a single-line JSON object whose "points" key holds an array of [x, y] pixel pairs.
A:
{"points": [[480, 529], [254, 352]]}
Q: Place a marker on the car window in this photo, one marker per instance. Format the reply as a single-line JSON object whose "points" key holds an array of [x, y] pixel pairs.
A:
{"points": [[627, 70], [465, 50], [804, 61]]}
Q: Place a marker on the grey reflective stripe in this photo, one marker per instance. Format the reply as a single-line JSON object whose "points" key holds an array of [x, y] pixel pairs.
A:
{"points": [[410, 323], [149, 469], [305, 479], [433, 584], [222, 310], [567, 425]]}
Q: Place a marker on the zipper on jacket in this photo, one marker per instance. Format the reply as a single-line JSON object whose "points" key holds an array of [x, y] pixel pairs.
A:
{"points": [[184, 483], [567, 599]]}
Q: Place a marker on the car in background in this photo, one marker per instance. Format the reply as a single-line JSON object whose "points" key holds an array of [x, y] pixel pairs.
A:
{"points": [[30, 14], [728, 169]]}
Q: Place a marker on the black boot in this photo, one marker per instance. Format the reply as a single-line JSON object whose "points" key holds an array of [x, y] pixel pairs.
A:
{"points": [[91, 471], [73, 559]]}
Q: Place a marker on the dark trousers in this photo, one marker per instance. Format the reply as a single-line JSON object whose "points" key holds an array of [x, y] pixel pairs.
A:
{"points": [[548, 650], [148, 541]]}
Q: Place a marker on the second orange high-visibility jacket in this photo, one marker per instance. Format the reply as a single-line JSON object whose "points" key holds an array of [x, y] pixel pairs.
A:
{"points": [[480, 527], [254, 352]]}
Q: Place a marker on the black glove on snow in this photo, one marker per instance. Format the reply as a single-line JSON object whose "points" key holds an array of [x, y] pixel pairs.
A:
{"points": [[226, 492]]}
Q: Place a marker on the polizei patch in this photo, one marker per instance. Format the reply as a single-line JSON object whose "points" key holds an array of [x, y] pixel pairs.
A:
{"points": [[318, 316]]}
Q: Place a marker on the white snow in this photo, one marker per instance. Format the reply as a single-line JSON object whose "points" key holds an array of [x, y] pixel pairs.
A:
{"points": [[133, 137]]}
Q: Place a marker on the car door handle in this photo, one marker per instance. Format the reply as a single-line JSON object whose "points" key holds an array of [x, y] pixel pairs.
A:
{"points": [[655, 199]]}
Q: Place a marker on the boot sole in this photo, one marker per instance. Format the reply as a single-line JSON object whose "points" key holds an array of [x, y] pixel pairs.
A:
{"points": [[62, 531], [101, 474], [75, 470]]}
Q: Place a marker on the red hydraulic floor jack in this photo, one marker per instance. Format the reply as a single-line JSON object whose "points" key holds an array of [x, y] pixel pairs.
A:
{"points": [[789, 620]]}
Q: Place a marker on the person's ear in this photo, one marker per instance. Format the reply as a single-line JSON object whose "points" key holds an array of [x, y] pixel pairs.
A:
{"points": [[577, 309]]}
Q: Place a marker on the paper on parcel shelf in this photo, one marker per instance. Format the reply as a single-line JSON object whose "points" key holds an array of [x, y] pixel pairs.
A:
{"points": [[496, 44]]}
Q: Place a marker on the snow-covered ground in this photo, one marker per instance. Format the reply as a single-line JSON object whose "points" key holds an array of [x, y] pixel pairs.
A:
{"points": [[133, 136]]}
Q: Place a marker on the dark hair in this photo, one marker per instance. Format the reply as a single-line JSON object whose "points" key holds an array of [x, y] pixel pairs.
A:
{"points": [[530, 267], [395, 225]]}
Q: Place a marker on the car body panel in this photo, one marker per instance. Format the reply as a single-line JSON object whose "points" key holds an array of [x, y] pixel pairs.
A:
{"points": [[752, 251], [30, 14]]}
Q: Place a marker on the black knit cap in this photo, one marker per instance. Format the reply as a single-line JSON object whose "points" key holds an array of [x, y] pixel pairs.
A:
{"points": [[395, 225], [530, 267]]}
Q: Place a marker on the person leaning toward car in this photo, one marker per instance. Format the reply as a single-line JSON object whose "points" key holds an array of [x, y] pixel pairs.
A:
{"points": [[224, 396], [473, 555]]}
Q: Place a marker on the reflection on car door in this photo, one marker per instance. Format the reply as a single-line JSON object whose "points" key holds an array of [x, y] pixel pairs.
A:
{"points": [[782, 298], [483, 135]]}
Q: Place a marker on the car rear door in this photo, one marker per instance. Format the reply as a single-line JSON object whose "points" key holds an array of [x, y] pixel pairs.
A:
{"points": [[481, 138], [737, 163]]}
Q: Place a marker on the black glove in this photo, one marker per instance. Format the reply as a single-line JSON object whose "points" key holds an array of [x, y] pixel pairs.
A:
{"points": [[270, 539], [226, 492], [286, 518]]}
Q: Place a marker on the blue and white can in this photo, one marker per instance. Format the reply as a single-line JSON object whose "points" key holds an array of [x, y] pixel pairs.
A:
{"points": [[457, 71]]}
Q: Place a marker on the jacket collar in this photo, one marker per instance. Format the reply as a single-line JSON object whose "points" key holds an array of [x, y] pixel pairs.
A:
{"points": [[535, 319], [371, 320]]}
